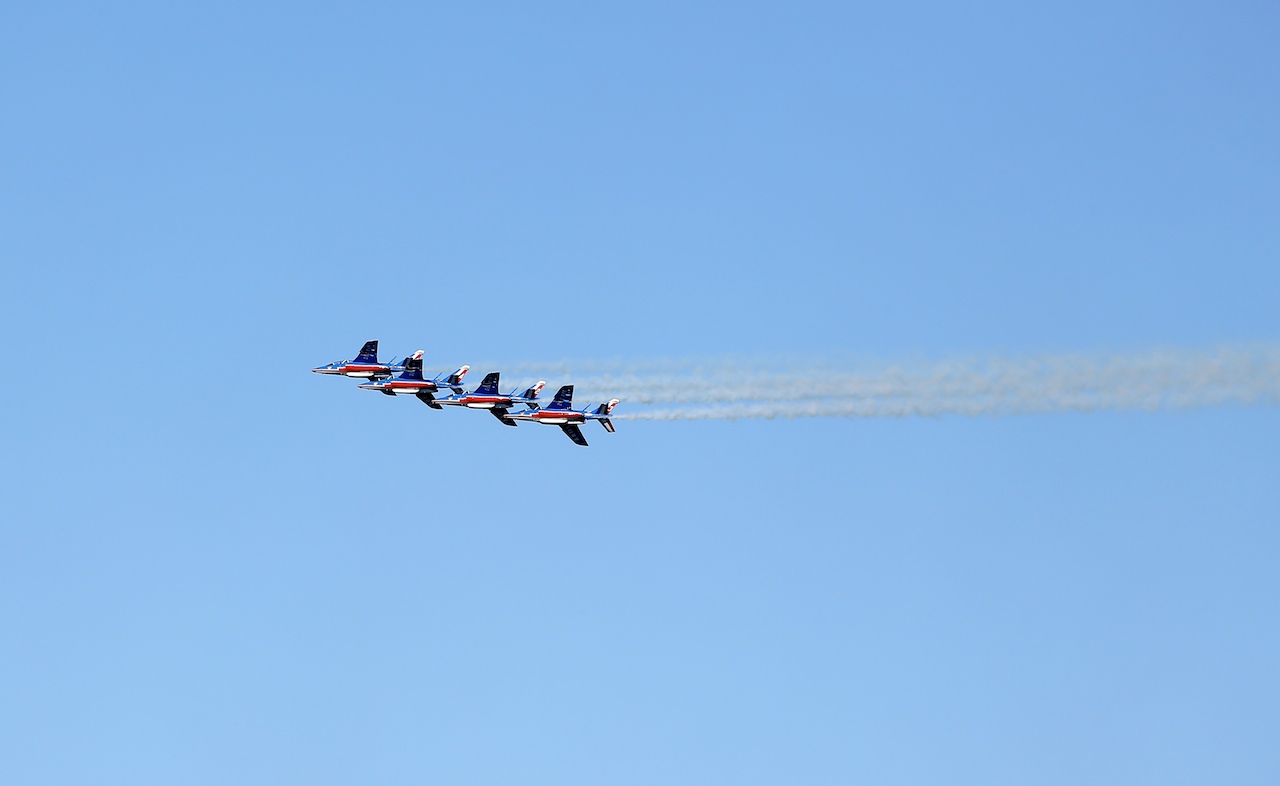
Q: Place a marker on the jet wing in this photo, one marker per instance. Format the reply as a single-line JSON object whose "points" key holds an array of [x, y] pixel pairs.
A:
{"points": [[426, 398], [574, 433], [501, 414]]}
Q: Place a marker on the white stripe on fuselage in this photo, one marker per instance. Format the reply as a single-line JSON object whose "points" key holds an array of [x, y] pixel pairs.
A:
{"points": [[553, 420]]}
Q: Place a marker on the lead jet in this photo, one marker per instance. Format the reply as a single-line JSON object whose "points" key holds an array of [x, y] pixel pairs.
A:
{"points": [[365, 366], [499, 404], [412, 383], [560, 412]]}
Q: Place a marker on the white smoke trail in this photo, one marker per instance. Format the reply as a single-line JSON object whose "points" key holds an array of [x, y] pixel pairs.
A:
{"points": [[732, 389]]}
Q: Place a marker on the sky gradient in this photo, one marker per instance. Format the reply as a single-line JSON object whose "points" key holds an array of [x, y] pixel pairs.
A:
{"points": [[217, 567]]}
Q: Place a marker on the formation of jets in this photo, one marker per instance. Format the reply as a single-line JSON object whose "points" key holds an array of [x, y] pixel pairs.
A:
{"points": [[405, 378]]}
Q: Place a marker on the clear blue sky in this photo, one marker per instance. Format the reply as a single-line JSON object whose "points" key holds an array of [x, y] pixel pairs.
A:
{"points": [[218, 568]]}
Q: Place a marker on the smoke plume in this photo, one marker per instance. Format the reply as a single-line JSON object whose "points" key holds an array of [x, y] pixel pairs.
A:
{"points": [[742, 388]]}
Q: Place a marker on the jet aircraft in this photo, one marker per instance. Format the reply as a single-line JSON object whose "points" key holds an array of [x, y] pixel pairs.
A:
{"points": [[560, 412], [487, 397], [365, 366], [411, 382]]}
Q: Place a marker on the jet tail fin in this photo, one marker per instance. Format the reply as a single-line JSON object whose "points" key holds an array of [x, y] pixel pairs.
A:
{"points": [[533, 391], [607, 409], [455, 379]]}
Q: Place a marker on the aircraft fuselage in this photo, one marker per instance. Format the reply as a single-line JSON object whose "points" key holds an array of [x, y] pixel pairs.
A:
{"points": [[355, 370], [485, 402], [550, 417], [409, 387]]}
